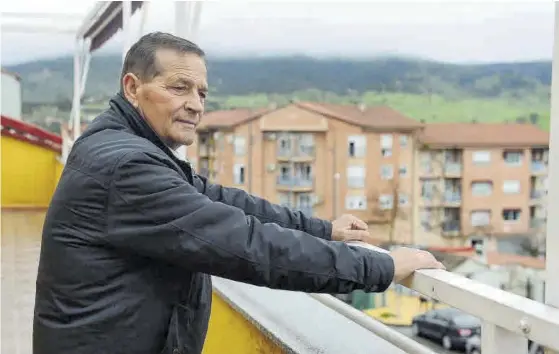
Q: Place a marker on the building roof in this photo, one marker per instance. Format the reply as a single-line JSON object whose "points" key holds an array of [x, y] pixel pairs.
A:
{"points": [[378, 117], [498, 258], [483, 134], [229, 118], [12, 74]]}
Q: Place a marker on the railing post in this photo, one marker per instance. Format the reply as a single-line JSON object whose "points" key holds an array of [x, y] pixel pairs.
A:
{"points": [[495, 340], [552, 241]]}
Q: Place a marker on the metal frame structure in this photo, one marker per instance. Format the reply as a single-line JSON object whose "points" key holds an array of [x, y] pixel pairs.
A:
{"points": [[104, 20]]}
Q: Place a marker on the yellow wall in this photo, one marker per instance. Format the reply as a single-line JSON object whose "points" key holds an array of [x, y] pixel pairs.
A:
{"points": [[231, 333], [29, 173], [29, 176]]}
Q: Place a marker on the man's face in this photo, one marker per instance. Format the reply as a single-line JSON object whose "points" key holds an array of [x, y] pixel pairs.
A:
{"points": [[173, 101]]}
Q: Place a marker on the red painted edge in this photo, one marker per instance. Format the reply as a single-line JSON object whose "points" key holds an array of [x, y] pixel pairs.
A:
{"points": [[31, 134], [451, 249]]}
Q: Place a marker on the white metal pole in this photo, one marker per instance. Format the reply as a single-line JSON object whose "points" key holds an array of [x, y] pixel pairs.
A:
{"points": [[552, 239], [143, 18], [77, 90], [182, 24], [126, 15]]}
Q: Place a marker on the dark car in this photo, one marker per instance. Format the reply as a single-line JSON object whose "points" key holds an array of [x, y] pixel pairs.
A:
{"points": [[450, 326], [473, 346]]}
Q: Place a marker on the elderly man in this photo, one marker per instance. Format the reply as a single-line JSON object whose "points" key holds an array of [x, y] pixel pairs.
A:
{"points": [[133, 234]]}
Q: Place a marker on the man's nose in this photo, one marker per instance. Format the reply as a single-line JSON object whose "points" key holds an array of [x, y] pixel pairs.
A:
{"points": [[194, 105]]}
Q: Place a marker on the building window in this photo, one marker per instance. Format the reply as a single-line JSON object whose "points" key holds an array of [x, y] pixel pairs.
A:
{"points": [[428, 189], [511, 187], [481, 157], [356, 202], [403, 140], [403, 199], [403, 171], [513, 157], [356, 176], [386, 141], [511, 214], [240, 145], [386, 171], [480, 218], [482, 188], [386, 152], [386, 201], [284, 145], [239, 174], [306, 144], [357, 145]]}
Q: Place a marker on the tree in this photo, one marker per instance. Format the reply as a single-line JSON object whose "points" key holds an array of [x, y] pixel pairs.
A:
{"points": [[385, 216]]}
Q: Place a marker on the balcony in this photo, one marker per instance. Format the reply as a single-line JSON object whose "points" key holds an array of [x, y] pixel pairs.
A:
{"points": [[303, 153], [508, 320], [452, 198], [453, 169], [537, 223], [451, 228], [538, 167], [294, 183]]}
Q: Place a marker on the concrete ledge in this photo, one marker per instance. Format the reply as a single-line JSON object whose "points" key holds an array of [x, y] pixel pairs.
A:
{"points": [[298, 323]]}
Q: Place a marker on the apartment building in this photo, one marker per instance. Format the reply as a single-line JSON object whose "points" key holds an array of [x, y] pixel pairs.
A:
{"points": [[323, 159], [478, 180]]}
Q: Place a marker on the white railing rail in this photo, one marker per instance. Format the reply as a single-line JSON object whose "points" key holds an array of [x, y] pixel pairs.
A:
{"points": [[508, 320]]}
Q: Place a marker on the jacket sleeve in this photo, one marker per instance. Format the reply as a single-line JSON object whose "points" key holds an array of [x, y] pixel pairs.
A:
{"points": [[155, 213], [265, 211]]}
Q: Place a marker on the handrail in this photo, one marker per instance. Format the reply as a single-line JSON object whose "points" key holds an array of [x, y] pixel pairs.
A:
{"points": [[504, 314]]}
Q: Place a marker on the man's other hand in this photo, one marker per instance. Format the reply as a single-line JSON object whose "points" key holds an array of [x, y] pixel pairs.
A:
{"points": [[407, 260], [349, 228]]}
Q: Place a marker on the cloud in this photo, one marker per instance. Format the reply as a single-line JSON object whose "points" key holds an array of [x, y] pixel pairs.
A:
{"points": [[449, 31]]}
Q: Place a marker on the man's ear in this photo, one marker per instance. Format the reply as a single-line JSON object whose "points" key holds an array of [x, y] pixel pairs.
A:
{"points": [[130, 86]]}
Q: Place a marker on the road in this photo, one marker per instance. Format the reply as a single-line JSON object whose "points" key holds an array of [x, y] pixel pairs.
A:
{"points": [[426, 342]]}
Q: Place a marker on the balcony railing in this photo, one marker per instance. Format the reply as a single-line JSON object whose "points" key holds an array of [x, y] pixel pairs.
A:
{"points": [[295, 181], [536, 194], [538, 166], [304, 151], [508, 320], [452, 168], [451, 226], [452, 197]]}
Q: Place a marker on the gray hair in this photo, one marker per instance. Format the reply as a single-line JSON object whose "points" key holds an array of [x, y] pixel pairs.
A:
{"points": [[141, 57]]}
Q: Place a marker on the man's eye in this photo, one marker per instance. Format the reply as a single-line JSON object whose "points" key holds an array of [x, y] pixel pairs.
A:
{"points": [[203, 94], [178, 88]]}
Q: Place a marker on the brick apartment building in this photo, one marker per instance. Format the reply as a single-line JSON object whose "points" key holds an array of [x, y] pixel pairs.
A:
{"points": [[323, 159], [481, 179], [424, 184]]}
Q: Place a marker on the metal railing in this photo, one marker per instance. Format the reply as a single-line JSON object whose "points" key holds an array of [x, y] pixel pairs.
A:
{"points": [[538, 166], [452, 168], [299, 151], [508, 320], [452, 197], [294, 181]]}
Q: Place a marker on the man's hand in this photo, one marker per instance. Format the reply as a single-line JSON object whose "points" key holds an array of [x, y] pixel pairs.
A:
{"points": [[407, 260], [349, 228]]}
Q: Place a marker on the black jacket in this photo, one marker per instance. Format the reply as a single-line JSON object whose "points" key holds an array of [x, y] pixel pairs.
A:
{"points": [[132, 236]]}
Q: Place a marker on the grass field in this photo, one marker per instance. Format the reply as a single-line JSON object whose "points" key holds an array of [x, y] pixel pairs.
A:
{"points": [[434, 108]]}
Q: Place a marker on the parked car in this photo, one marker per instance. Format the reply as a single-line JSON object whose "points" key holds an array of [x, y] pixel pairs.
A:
{"points": [[450, 326], [473, 346]]}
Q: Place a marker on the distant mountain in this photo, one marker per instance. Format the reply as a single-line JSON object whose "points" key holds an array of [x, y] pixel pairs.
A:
{"points": [[47, 81]]}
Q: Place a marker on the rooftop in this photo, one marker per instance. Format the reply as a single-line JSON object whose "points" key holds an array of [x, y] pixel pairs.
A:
{"points": [[483, 134]]}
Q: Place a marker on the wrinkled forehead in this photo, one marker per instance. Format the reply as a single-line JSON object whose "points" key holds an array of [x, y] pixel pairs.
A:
{"points": [[173, 64]]}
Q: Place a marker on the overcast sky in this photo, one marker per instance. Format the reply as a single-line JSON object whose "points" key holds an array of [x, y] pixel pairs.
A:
{"points": [[454, 31]]}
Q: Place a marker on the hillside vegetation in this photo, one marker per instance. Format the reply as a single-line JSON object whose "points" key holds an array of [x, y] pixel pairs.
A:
{"points": [[426, 90]]}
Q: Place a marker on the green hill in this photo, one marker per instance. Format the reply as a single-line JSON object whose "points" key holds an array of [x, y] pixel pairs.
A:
{"points": [[422, 89]]}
